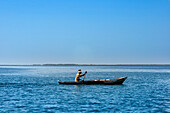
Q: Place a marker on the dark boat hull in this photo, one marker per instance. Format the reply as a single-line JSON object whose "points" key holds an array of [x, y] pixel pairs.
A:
{"points": [[117, 81]]}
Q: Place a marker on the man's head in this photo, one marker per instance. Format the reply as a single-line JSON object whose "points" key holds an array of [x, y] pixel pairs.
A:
{"points": [[79, 71]]}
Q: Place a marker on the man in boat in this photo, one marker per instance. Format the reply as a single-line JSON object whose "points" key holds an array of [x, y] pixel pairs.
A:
{"points": [[77, 79]]}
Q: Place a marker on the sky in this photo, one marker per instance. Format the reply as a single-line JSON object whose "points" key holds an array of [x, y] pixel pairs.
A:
{"points": [[85, 31]]}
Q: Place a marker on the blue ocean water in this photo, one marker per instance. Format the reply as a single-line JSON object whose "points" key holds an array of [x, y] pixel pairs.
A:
{"points": [[35, 89]]}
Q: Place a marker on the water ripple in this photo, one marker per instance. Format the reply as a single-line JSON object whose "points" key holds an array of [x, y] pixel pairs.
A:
{"points": [[35, 89]]}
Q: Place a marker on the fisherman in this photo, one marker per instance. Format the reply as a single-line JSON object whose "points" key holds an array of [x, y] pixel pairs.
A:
{"points": [[77, 79]]}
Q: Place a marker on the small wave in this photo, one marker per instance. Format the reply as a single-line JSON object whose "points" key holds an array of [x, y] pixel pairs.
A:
{"points": [[132, 70], [26, 84]]}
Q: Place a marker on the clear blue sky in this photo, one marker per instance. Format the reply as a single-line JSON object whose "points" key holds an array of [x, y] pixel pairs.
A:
{"points": [[84, 31]]}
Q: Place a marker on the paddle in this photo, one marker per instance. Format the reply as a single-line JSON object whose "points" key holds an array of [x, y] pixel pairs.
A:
{"points": [[84, 76]]}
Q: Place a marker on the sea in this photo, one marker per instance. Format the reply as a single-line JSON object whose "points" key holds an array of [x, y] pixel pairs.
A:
{"points": [[34, 89]]}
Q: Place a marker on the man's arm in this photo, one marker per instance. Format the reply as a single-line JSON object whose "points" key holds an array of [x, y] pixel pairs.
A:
{"points": [[83, 74]]}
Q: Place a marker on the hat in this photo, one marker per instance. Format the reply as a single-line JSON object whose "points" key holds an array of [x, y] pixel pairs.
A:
{"points": [[79, 70]]}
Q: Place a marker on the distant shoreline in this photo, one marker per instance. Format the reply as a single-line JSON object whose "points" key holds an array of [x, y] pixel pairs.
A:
{"points": [[89, 65], [101, 64]]}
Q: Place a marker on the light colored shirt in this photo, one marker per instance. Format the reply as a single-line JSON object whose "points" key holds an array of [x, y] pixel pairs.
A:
{"points": [[78, 77]]}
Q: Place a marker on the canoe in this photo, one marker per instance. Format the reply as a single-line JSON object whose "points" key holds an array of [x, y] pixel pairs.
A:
{"points": [[117, 81]]}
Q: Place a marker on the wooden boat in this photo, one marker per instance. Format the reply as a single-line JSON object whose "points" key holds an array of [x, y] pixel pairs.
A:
{"points": [[117, 81]]}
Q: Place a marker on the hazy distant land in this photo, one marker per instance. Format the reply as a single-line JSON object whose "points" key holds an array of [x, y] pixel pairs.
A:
{"points": [[101, 64], [84, 64]]}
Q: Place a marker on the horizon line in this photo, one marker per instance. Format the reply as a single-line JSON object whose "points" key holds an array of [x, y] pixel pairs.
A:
{"points": [[88, 64]]}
